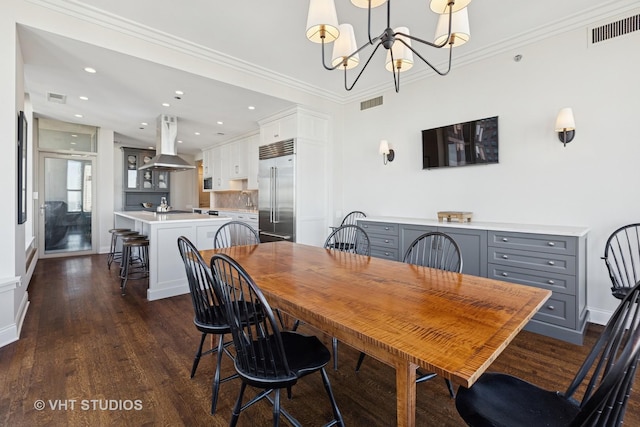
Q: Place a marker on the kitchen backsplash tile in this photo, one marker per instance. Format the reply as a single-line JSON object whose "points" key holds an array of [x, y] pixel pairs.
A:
{"points": [[236, 199]]}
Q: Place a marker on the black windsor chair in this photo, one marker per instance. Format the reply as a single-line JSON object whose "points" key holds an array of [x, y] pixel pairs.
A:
{"points": [[235, 233], [622, 257], [266, 357]]}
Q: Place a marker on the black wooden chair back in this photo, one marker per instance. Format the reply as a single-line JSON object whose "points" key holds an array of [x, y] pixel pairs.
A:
{"points": [[235, 233], [260, 356], [349, 238], [622, 257], [435, 250], [351, 217], [205, 303]]}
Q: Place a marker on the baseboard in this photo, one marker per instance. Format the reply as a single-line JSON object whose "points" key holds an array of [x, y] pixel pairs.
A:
{"points": [[599, 317]]}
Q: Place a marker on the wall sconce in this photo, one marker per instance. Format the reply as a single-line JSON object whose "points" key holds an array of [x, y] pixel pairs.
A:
{"points": [[565, 126], [387, 153]]}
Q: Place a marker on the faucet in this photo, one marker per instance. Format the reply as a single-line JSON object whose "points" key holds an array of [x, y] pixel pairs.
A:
{"points": [[248, 203]]}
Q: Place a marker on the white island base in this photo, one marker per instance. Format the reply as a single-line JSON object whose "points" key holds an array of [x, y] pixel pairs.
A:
{"points": [[167, 277]]}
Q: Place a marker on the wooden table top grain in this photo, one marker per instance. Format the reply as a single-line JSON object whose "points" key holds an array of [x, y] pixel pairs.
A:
{"points": [[405, 315]]}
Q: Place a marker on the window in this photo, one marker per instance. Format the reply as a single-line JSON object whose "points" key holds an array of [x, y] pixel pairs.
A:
{"points": [[78, 186]]}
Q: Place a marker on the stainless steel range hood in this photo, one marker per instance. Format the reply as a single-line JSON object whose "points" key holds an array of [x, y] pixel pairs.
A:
{"points": [[166, 158]]}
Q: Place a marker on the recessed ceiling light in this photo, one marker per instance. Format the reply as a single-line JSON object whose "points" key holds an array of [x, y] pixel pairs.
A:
{"points": [[90, 70], [84, 98], [197, 133], [78, 115], [251, 107], [179, 141], [166, 104], [151, 148], [144, 124], [220, 122], [74, 135], [73, 143], [179, 92]]}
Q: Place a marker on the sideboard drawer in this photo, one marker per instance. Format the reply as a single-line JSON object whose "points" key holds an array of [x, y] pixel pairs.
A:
{"points": [[533, 260], [378, 252], [540, 279], [558, 310], [379, 228], [533, 242], [383, 241]]}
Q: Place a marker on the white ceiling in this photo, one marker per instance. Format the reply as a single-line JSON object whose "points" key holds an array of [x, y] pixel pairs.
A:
{"points": [[265, 35]]}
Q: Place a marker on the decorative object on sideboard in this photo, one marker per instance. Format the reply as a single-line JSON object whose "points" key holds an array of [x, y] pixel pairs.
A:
{"points": [[387, 153], [565, 125], [322, 27], [456, 215]]}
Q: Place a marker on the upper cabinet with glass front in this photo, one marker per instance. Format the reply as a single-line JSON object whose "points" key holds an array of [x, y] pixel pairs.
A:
{"points": [[142, 180]]}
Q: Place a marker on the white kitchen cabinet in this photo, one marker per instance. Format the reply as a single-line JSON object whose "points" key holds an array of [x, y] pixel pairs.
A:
{"points": [[207, 157], [221, 168], [252, 161], [237, 162], [279, 130]]}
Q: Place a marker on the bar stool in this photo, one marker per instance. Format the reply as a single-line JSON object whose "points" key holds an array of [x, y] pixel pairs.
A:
{"points": [[134, 266], [115, 255]]}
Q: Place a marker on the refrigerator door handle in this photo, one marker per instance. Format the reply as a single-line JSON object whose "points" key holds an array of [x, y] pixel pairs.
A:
{"points": [[276, 210], [271, 218]]}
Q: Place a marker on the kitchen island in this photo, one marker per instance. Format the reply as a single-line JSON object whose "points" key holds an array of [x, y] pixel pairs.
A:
{"points": [[167, 276]]}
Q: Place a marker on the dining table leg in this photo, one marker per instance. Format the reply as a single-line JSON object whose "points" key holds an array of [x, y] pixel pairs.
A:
{"points": [[406, 393]]}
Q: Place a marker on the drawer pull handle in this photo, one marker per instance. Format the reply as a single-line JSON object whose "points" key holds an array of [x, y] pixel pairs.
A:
{"points": [[551, 282], [365, 226], [551, 244], [386, 254], [386, 240], [552, 263], [504, 239], [505, 274], [550, 307], [386, 228], [505, 257]]}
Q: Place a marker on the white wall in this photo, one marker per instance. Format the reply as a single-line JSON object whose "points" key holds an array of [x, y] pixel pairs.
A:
{"points": [[591, 182]]}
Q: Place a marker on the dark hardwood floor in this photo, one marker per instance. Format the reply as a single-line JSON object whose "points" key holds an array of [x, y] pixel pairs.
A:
{"points": [[117, 360]]}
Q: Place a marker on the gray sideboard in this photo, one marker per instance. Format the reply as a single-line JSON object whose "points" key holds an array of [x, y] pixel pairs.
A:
{"points": [[549, 257]]}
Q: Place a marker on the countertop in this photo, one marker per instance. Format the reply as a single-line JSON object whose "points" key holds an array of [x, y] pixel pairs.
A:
{"points": [[155, 218], [562, 230]]}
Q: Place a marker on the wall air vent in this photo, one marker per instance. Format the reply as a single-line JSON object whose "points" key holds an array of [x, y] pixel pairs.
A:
{"points": [[614, 29], [57, 98], [370, 103]]}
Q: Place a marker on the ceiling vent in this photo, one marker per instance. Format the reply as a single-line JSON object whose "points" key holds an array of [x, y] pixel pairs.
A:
{"points": [[57, 98], [614, 29], [370, 103]]}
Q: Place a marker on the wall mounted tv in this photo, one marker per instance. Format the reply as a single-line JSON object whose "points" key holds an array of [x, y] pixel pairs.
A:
{"points": [[461, 144]]}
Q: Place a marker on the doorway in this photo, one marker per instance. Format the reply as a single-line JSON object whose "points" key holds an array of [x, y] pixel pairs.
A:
{"points": [[66, 219]]}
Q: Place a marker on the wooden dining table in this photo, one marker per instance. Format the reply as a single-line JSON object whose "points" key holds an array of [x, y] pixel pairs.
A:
{"points": [[404, 315]]}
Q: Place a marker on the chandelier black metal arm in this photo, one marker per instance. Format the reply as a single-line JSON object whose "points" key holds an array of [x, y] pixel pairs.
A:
{"points": [[387, 39]]}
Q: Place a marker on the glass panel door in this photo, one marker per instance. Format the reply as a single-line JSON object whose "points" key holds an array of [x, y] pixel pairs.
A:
{"points": [[66, 205]]}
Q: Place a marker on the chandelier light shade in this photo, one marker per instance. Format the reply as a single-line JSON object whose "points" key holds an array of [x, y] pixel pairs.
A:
{"points": [[322, 27], [401, 53], [365, 3], [460, 33], [442, 6], [322, 21], [344, 46]]}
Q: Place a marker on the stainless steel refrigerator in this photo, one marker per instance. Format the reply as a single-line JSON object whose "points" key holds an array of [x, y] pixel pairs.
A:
{"points": [[276, 195]]}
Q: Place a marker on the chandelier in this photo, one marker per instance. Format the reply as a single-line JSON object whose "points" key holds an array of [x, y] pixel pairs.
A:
{"points": [[322, 27]]}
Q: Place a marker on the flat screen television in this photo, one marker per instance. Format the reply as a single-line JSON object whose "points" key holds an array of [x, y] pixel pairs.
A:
{"points": [[461, 144]]}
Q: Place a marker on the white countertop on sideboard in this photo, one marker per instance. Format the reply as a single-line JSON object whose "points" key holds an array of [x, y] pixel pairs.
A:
{"points": [[561, 230]]}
